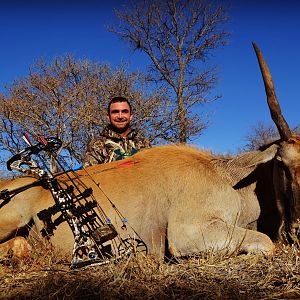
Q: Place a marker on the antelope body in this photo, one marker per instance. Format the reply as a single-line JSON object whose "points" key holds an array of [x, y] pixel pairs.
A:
{"points": [[181, 200]]}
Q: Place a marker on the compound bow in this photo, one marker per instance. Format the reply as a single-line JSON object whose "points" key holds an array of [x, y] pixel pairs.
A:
{"points": [[96, 240]]}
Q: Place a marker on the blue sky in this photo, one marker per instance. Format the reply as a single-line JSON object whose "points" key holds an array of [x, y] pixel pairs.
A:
{"points": [[33, 29]]}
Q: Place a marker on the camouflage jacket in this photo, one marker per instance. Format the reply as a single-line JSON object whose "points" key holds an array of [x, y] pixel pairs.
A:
{"points": [[111, 146]]}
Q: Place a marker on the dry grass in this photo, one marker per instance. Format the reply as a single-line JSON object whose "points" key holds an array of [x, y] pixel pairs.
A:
{"points": [[208, 276]]}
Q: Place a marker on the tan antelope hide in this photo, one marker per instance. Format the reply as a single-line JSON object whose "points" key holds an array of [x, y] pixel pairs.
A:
{"points": [[181, 200]]}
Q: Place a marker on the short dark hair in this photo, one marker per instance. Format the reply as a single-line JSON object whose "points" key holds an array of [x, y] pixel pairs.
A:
{"points": [[118, 99]]}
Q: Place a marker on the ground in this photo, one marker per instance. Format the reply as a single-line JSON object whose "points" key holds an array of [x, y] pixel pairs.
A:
{"points": [[46, 275]]}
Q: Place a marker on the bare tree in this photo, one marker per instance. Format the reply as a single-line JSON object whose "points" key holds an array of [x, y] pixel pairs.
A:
{"points": [[262, 135], [68, 99], [176, 35]]}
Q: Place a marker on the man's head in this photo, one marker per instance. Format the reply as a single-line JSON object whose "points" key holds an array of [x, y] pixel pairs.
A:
{"points": [[119, 114]]}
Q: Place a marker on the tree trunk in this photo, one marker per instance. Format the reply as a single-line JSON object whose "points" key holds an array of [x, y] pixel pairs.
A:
{"points": [[182, 120]]}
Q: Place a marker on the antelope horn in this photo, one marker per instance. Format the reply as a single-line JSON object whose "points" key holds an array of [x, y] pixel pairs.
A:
{"points": [[277, 117]]}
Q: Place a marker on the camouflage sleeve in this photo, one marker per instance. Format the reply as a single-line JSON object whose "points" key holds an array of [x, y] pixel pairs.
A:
{"points": [[142, 143], [95, 153]]}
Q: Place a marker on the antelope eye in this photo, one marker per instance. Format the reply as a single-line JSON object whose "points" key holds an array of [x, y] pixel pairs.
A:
{"points": [[280, 162], [291, 141]]}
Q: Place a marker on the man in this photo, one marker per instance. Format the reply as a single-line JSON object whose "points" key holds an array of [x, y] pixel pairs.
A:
{"points": [[118, 140]]}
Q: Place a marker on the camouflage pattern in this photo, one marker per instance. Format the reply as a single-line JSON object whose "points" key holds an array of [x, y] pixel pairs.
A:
{"points": [[111, 146]]}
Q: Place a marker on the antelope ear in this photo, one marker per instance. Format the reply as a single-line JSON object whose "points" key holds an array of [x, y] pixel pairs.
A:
{"points": [[243, 165], [253, 159]]}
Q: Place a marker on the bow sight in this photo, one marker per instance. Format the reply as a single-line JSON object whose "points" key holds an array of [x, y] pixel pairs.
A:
{"points": [[96, 240]]}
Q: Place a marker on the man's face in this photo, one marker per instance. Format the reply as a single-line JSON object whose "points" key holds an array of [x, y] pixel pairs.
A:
{"points": [[120, 116]]}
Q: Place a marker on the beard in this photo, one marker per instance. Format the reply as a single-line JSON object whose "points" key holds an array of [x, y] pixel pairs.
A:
{"points": [[119, 130]]}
